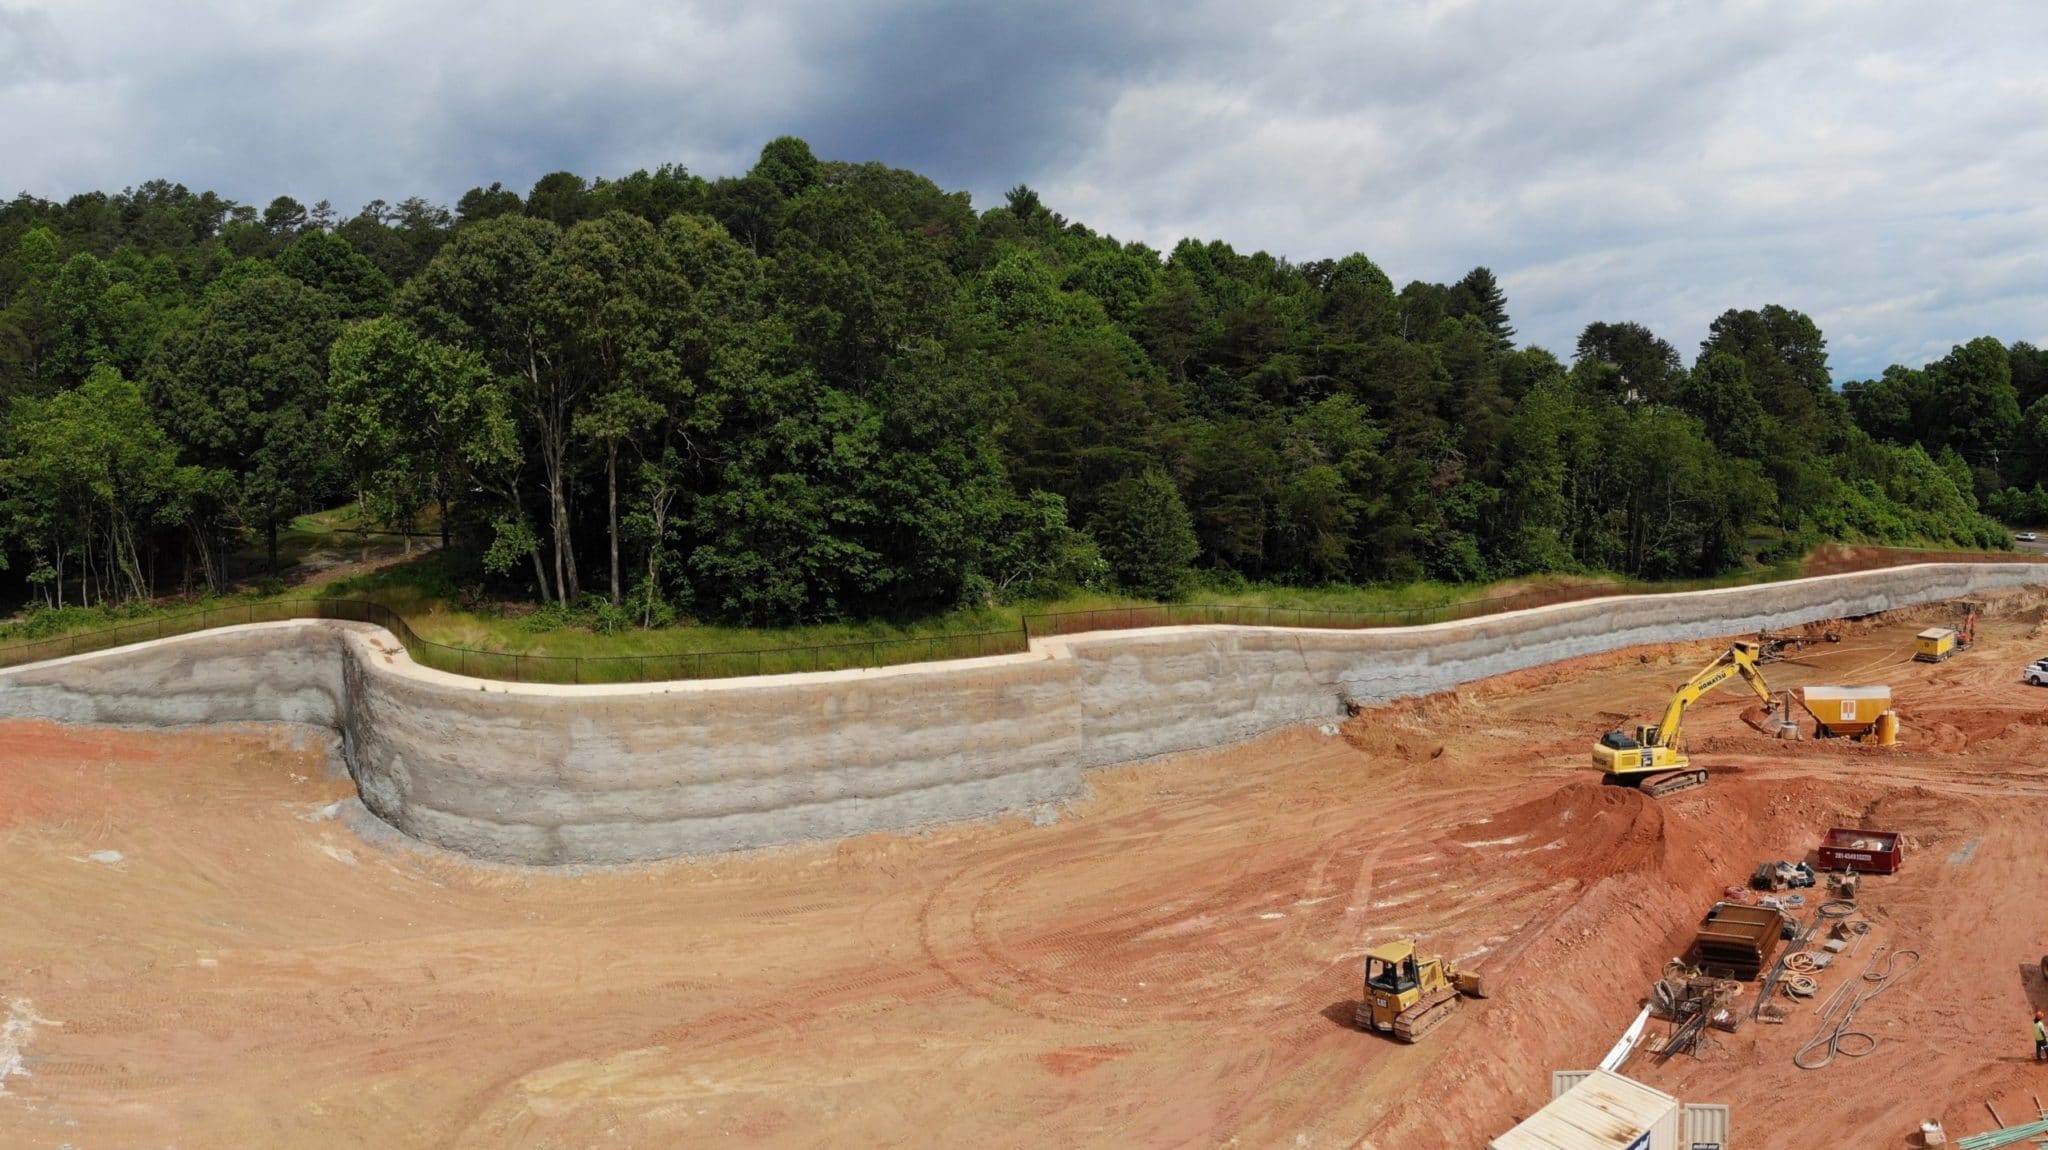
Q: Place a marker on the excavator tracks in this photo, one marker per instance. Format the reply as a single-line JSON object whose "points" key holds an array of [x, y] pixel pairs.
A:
{"points": [[1412, 1024], [1659, 785], [1672, 782]]}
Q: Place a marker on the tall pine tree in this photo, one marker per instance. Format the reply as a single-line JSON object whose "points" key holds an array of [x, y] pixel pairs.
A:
{"points": [[1479, 294]]}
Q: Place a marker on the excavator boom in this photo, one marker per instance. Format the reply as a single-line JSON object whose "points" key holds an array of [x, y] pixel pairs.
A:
{"points": [[1739, 659]]}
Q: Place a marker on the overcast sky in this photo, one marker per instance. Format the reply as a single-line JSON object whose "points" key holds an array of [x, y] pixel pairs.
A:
{"points": [[1878, 165]]}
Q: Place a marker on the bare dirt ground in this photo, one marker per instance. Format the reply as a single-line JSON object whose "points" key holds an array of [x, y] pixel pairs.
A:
{"points": [[201, 949]]}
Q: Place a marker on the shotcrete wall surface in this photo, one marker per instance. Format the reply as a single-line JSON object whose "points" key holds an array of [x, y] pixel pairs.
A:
{"points": [[541, 774], [263, 672]]}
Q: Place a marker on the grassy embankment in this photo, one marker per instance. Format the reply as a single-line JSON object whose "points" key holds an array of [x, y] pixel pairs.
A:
{"points": [[327, 559]]}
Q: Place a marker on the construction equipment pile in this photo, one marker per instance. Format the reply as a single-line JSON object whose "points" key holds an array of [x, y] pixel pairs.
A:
{"points": [[1765, 933], [1692, 1001]]}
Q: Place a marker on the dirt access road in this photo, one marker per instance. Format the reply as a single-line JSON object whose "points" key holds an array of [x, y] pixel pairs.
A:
{"points": [[203, 948]]}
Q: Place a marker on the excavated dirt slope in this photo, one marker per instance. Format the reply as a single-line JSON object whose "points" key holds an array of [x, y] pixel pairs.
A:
{"points": [[203, 946]]}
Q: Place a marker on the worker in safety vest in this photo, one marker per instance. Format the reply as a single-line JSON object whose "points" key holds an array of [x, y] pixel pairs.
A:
{"points": [[2040, 1036]]}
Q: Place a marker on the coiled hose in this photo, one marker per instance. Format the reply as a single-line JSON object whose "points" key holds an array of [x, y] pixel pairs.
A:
{"points": [[1841, 1038]]}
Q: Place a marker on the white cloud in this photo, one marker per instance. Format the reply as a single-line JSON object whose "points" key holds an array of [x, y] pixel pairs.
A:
{"points": [[1870, 162]]}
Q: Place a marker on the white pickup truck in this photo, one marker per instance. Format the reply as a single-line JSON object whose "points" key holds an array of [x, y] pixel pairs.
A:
{"points": [[2036, 673]]}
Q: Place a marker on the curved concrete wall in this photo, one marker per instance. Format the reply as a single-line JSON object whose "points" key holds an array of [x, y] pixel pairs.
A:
{"points": [[544, 774]]}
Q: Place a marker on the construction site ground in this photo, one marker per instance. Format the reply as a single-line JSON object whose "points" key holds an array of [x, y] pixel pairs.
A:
{"points": [[205, 943]]}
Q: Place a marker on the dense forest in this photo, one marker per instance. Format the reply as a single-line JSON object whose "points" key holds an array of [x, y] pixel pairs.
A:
{"points": [[825, 390]]}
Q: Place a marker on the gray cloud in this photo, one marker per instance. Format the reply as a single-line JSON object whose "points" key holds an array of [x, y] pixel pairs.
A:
{"points": [[1870, 162], [31, 52]]}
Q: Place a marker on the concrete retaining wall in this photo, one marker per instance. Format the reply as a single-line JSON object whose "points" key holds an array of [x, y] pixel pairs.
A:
{"points": [[546, 774]]}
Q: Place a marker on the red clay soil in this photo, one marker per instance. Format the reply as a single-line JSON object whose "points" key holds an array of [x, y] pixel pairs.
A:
{"points": [[203, 950], [1837, 559]]}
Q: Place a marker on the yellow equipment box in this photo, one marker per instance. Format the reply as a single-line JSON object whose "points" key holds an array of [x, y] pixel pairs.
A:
{"points": [[1934, 644]]}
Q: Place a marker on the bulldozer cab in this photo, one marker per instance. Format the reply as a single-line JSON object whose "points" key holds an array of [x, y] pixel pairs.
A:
{"points": [[1392, 975]]}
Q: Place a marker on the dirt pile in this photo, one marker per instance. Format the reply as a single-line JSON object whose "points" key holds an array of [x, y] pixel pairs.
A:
{"points": [[1586, 831]]}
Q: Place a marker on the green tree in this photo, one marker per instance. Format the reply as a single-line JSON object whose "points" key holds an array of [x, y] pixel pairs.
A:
{"points": [[833, 502], [284, 218], [1121, 280], [1972, 405], [1146, 534], [1717, 390], [31, 324], [654, 196], [243, 388], [83, 337], [480, 204], [2029, 372], [330, 265], [88, 475], [610, 292], [561, 198], [1359, 301], [1784, 356], [491, 290], [853, 287], [787, 163], [1035, 553], [1648, 366], [1532, 528], [1890, 406], [414, 421], [1479, 295]]}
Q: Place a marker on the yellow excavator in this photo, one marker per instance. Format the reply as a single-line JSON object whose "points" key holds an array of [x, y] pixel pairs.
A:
{"points": [[1407, 996], [1652, 759]]}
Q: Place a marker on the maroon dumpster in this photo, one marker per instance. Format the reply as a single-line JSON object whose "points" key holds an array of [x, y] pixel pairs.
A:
{"points": [[1872, 852]]}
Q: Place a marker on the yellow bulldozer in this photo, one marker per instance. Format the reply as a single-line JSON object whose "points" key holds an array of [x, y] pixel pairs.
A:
{"points": [[1408, 996], [1653, 759]]}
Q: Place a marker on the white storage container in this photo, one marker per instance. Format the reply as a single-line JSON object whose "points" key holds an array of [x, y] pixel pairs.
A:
{"points": [[1603, 1112], [1563, 1080], [1706, 1127]]}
